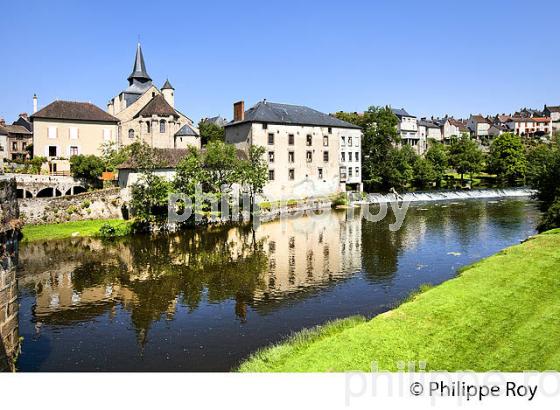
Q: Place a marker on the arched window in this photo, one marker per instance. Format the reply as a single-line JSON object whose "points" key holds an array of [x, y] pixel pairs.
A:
{"points": [[162, 126], [131, 133]]}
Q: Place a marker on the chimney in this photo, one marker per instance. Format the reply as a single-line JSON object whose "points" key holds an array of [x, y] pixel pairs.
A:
{"points": [[34, 103], [239, 111], [2, 122], [24, 116]]}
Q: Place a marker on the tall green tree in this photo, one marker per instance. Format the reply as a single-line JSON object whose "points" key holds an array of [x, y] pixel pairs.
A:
{"points": [[89, 167], [465, 155], [423, 172], [438, 158], [210, 132], [507, 158], [221, 166], [253, 173]]}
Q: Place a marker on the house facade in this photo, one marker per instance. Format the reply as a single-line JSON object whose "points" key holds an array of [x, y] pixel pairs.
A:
{"points": [[309, 153], [63, 129], [427, 130], [479, 127], [15, 140], [3, 144], [531, 126], [148, 114], [553, 112], [407, 127]]}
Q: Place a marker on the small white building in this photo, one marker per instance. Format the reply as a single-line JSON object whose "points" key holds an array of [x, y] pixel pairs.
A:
{"points": [[554, 113], [407, 127]]}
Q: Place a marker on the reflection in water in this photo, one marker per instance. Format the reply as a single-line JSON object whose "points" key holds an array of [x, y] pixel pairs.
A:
{"points": [[203, 300]]}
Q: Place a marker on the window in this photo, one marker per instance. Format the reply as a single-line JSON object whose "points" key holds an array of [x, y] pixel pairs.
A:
{"points": [[308, 140], [270, 156], [73, 133], [270, 139], [357, 172], [343, 173], [330, 130], [73, 151], [320, 172], [14, 146], [162, 126], [357, 156], [149, 127], [326, 156], [350, 156], [290, 139], [309, 156], [52, 132], [342, 141], [325, 141], [343, 156], [349, 172], [349, 141], [106, 134], [52, 151], [271, 175], [357, 142], [131, 133], [291, 174], [290, 156], [265, 126], [1, 148]]}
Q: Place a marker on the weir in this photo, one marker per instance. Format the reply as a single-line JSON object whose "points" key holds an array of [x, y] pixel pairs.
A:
{"points": [[428, 196]]}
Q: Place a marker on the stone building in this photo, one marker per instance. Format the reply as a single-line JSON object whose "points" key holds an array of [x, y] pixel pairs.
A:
{"points": [[407, 127], [554, 113], [148, 114], [66, 128], [17, 138], [304, 149]]}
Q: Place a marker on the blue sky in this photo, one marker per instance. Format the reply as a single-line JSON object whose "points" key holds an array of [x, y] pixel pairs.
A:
{"points": [[430, 57]]}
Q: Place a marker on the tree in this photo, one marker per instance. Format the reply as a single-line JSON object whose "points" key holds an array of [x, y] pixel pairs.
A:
{"points": [[543, 172], [507, 158], [438, 158], [88, 167], [113, 156], [221, 165], [253, 173], [424, 172], [398, 169], [190, 173], [465, 156], [210, 132]]}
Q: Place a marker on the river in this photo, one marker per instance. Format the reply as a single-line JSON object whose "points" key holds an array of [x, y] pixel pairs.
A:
{"points": [[203, 300]]}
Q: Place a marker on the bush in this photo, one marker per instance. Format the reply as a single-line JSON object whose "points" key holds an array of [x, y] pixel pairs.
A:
{"points": [[340, 200], [107, 231], [551, 219]]}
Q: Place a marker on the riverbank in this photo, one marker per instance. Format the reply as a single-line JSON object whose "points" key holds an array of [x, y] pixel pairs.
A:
{"points": [[71, 229], [502, 313]]}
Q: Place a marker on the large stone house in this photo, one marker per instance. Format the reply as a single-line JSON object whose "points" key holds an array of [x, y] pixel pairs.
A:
{"points": [[16, 139], [148, 114], [309, 153], [66, 128]]}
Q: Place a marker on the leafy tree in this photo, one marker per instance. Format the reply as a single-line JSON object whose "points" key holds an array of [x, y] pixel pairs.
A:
{"points": [[399, 167], [507, 158], [210, 132], [253, 173], [35, 164], [438, 158], [221, 165], [88, 167], [424, 172], [551, 219], [543, 172], [190, 172], [113, 156], [465, 156]]}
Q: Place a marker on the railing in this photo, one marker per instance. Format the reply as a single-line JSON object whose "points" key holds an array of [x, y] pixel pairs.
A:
{"points": [[59, 173]]}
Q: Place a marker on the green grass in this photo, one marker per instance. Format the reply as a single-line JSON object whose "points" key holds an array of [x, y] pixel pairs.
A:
{"points": [[70, 229], [502, 313]]}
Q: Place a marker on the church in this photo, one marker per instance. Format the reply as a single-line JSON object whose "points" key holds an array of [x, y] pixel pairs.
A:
{"points": [[148, 114]]}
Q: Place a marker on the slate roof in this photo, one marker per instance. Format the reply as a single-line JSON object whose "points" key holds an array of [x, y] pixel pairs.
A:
{"points": [[427, 124], [217, 120], [275, 113], [167, 85], [17, 129], [480, 118], [139, 70], [3, 131], [553, 108], [157, 106], [186, 131], [73, 110], [164, 158], [401, 112]]}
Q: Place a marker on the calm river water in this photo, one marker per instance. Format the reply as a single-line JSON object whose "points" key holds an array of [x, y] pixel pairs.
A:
{"points": [[204, 300]]}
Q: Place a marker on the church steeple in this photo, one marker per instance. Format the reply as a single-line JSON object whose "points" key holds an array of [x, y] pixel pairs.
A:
{"points": [[139, 72]]}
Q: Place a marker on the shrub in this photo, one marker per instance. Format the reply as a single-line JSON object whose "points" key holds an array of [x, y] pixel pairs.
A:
{"points": [[86, 203], [107, 231], [551, 219], [340, 200]]}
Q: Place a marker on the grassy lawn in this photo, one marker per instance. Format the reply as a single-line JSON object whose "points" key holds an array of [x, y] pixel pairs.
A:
{"points": [[69, 229], [502, 313]]}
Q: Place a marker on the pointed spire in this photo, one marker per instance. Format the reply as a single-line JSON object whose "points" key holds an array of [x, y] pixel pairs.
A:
{"points": [[139, 71], [167, 85]]}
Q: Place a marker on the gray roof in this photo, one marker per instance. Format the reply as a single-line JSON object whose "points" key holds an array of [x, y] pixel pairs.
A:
{"points": [[139, 71], [427, 124], [167, 85], [218, 120], [186, 131], [274, 113], [401, 112]]}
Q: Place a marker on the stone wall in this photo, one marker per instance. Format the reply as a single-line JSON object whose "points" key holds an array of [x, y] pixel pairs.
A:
{"points": [[102, 204], [9, 234]]}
